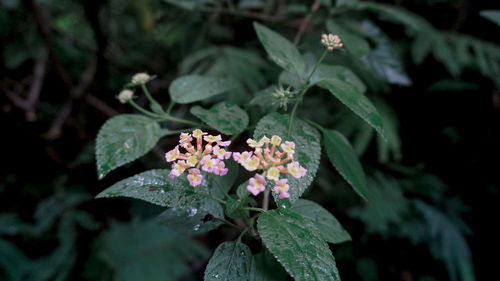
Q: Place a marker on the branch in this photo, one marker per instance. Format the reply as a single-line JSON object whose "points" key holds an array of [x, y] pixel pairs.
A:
{"points": [[305, 22], [76, 93], [39, 71]]}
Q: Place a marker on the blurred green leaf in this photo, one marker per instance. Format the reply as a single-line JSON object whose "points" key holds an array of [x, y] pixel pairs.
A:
{"points": [[386, 205], [13, 263], [124, 138], [352, 41], [447, 242], [148, 251], [491, 15], [384, 59]]}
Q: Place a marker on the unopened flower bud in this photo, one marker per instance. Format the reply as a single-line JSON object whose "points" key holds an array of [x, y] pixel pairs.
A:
{"points": [[140, 78], [125, 95], [331, 41]]}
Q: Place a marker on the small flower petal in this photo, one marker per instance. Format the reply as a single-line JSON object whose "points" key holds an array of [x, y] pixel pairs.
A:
{"points": [[273, 173], [172, 155], [296, 170], [194, 177]]}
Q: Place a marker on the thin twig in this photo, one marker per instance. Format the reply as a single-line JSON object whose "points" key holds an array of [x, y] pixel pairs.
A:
{"points": [[39, 71], [305, 22], [100, 105], [76, 93]]}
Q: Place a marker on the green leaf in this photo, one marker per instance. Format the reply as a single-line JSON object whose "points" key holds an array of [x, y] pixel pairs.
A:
{"points": [[192, 88], [325, 72], [491, 15], [447, 240], [191, 220], [391, 125], [231, 261], [328, 226], [265, 268], [384, 59], [352, 41], [298, 246], [280, 50], [13, 263], [386, 205], [421, 47], [355, 101], [344, 159], [307, 147], [148, 251], [124, 138], [225, 117], [154, 186]]}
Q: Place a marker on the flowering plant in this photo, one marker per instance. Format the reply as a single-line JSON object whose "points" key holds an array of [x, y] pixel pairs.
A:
{"points": [[284, 157]]}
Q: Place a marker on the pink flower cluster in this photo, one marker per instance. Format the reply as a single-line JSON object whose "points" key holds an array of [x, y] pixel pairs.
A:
{"points": [[209, 157], [274, 158]]}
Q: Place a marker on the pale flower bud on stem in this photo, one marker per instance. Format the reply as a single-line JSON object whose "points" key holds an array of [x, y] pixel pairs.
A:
{"points": [[140, 78], [125, 95], [331, 41]]}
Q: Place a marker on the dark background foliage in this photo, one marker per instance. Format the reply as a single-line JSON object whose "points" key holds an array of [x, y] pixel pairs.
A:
{"points": [[64, 62]]}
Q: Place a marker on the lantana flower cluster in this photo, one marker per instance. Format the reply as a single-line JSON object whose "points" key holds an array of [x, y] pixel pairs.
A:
{"points": [[208, 157], [331, 41], [274, 158]]}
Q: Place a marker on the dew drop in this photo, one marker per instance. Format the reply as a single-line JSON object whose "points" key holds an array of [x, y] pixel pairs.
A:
{"points": [[196, 227], [193, 212]]}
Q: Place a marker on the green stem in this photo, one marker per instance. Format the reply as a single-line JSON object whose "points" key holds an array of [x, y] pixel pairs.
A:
{"points": [[316, 66], [305, 87], [219, 186], [149, 113], [182, 121], [170, 106], [314, 124], [176, 132], [229, 223], [148, 95], [212, 197], [265, 204], [242, 233], [254, 209]]}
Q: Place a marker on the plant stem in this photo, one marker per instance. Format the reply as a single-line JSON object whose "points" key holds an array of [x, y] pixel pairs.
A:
{"points": [[170, 106], [305, 87], [149, 113], [242, 233], [265, 203], [314, 124], [229, 223], [316, 66], [212, 197], [182, 121], [254, 209], [148, 95]]}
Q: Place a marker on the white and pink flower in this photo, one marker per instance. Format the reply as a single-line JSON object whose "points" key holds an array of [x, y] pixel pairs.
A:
{"points": [[257, 184]]}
